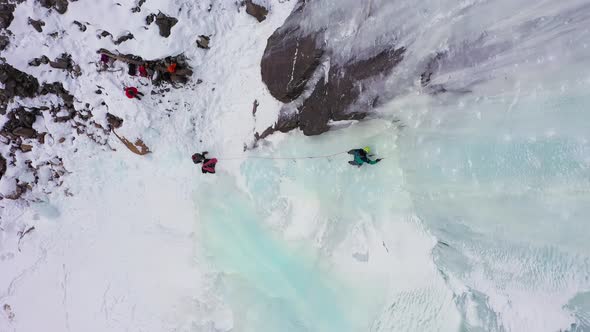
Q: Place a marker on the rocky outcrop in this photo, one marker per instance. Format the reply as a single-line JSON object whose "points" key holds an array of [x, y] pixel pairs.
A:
{"points": [[63, 62], [16, 84], [19, 135], [256, 10], [124, 38], [292, 70], [60, 6], [6, 14], [6, 17], [20, 123]]}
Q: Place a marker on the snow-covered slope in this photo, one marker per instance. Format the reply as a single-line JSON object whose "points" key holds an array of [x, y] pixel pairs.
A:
{"points": [[475, 220], [82, 266]]}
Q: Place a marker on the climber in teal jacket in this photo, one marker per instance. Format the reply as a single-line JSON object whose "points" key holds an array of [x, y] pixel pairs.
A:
{"points": [[361, 156]]}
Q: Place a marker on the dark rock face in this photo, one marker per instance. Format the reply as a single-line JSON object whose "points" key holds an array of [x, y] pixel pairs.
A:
{"points": [[330, 100], [258, 11], [6, 14], [288, 63], [292, 59], [37, 24], [16, 84]]}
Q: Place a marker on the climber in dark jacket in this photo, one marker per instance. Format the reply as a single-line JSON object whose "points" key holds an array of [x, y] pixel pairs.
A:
{"points": [[361, 156], [208, 164], [132, 69]]}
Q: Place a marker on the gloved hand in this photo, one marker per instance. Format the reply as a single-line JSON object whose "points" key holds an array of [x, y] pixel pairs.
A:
{"points": [[378, 160]]}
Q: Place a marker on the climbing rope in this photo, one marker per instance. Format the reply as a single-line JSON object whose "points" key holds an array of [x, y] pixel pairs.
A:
{"points": [[283, 158]]}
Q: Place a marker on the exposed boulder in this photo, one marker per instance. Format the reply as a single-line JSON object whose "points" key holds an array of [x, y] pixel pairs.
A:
{"points": [[25, 132], [258, 11], [61, 6], [163, 21], [81, 26], [37, 24], [203, 42], [26, 148]]}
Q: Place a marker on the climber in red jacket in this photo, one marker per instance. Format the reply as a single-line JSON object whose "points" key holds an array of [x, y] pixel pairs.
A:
{"points": [[208, 164], [131, 92]]}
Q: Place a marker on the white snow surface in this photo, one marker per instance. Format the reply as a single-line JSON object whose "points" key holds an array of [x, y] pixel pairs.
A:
{"points": [[475, 221]]}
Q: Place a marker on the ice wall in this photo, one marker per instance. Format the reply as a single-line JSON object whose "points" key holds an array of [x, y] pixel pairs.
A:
{"points": [[496, 153], [501, 179], [318, 245]]}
